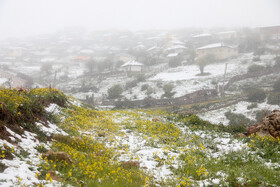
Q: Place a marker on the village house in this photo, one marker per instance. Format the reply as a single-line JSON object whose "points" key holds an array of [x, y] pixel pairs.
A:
{"points": [[201, 39], [123, 57], [174, 45], [218, 50], [227, 35], [14, 53], [132, 66], [80, 60], [269, 33]]}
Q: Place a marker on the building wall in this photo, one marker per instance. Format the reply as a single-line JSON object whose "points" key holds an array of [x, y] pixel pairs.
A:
{"points": [[270, 33], [227, 36], [220, 53], [132, 68], [15, 52]]}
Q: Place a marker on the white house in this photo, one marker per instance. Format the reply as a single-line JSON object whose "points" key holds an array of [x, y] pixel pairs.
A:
{"points": [[226, 35], [174, 46], [132, 66], [201, 38], [218, 50]]}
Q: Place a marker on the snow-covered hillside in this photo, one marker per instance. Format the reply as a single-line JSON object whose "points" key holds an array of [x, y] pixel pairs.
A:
{"points": [[128, 148]]}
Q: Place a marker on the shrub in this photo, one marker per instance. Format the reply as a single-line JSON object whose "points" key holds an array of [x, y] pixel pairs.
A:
{"points": [[21, 109], [255, 94], [261, 114], [214, 82], [237, 120], [140, 78], [159, 84], [148, 102], [174, 62], [131, 84], [149, 90], [124, 104], [274, 98], [144, 87], [115, 92], [253, 105], [168, 90], [255, 68], [259, 51], [256, 58], [192, 120]]}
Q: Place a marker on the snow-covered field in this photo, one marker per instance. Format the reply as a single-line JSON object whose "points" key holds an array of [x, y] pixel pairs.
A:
{"points": [[184, 78], [218, 116]]}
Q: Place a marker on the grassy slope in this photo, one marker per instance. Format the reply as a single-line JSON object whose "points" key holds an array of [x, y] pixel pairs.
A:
{"points": [[173, 150]]}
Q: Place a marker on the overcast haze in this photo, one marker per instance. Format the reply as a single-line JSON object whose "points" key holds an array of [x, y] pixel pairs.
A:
{"points": [[28, 17]]}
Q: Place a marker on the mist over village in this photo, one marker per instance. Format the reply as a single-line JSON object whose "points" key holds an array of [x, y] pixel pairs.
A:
{"points": [[139, 93]]}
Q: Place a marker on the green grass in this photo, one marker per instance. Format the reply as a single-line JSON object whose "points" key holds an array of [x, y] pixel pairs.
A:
{"points": [[191, 139], [247, 164]]}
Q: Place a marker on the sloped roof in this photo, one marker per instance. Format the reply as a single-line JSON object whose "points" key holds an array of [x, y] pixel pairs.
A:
{"points": [[172, 54], [227, 32], [132, 63], [215, 45], [201, 35], [176, 47]]}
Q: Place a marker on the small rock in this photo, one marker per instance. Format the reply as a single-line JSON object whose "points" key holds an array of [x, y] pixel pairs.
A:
{"points": [[101, 134], [251, 130], [270, 126], [156, 120], [130, 164], [60, 156], [54, 176]]}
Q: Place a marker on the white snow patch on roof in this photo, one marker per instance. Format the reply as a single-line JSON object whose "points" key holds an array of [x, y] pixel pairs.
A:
{"points": [[176, 47], [48, 59], [172, 54], [227, 32], [132, 63], [178, 42], [201, 35], [152, 48], [215, 45]]}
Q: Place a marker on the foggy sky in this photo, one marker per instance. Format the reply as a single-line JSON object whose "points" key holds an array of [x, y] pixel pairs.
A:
{"points": [[29, 17]]}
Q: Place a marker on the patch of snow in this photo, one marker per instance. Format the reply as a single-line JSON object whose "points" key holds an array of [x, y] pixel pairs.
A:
{"points": [[172, 55], [19, 170], [218, 116], [52, 129], [190, 72], [53, 108]]}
